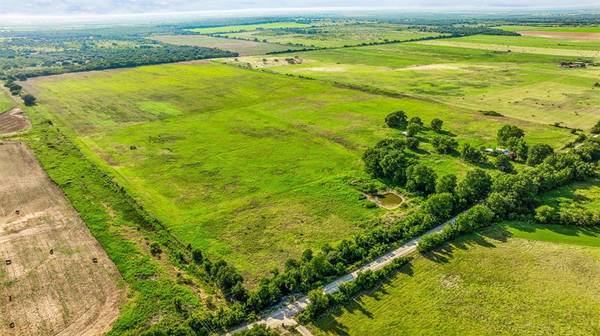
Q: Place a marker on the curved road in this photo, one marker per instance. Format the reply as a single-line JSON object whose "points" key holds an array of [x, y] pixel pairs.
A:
{"points": [[284, 314]]}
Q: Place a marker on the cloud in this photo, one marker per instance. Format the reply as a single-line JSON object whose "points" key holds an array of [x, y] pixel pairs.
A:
{"points": [[50, 7]]}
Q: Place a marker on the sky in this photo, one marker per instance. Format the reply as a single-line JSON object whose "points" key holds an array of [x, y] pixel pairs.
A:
{"points": [[110, 7]]}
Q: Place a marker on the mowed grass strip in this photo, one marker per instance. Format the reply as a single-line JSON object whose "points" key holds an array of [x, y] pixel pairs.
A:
{"points": [[484, 284], [241, 47]]}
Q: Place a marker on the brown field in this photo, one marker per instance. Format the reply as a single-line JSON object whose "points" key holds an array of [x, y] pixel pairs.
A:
{"points": [[13, 121], [51, 284], [563, 35], [242, 47]]}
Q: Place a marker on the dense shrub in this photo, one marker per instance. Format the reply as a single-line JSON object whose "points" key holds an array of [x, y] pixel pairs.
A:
{"points": [[538, 153], [421, 179], [507, 133], [503, 164], [472, 154], [396, 120], [444, 144]]}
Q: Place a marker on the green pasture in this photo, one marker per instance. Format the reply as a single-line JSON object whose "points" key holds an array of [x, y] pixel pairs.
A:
{"points": [[249, 166], [582, 195], [337, 35], [498, 282], [6, 102], [523, 87], [249, 27]]}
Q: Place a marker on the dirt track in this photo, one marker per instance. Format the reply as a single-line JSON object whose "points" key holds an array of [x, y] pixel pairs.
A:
{"points": [[62, 292], [13, 121]]}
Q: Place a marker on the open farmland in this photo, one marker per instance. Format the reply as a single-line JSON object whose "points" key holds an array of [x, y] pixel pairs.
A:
{"points": [[249, 27], [485, 284], [334, 35], [55, 278], [526, 87], [242, 47]]}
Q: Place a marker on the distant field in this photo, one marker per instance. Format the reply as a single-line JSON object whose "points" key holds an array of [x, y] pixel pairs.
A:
{"points": [[573, 29], [244, 48], [486, 285], [250, 27], [335, 35], [518, 49], [530, 44], [526, 87]]}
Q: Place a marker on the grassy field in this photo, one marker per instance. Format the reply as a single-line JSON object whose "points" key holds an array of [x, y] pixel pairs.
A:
{"points": [[581, 46], [5, 101], [241, 47], [335, 35], [486, 284], [527, 87], [250, 27], [233, 160], [244, 165]]}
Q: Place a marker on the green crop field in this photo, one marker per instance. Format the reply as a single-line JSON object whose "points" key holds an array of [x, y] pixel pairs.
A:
{"points": [[335, 35], [250, 27], [526, 87], [241, 47], [249, 166], [486, 284]]}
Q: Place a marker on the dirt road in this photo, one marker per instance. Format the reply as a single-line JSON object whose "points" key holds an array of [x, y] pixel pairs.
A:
{"points": [[55, 279], [284, 314]]}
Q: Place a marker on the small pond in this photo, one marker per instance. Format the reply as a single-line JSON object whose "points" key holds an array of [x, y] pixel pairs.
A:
{"points": [[389, 200]]}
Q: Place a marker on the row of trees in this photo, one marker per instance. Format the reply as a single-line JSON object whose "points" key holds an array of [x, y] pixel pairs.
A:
{"points": [[570, 216], [321, 302], [512, 195]]}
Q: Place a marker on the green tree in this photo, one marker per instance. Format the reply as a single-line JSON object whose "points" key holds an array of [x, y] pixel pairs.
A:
{"points": [[443, 144], [416, 121], [446, 184], [596, 128], [437, 124], [546, 214], [503, 164], [420, 178], [508, 132], [413, 129], [440, 206], [396, 119], [29, 99], [474, 187], [519, 147], [538, 153], [472, 154]]}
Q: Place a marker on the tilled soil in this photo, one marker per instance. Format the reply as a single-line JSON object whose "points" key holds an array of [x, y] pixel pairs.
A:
{"points": [[55, 278], [13, 121]]}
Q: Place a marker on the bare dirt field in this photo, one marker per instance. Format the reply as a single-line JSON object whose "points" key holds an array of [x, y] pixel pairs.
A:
{"points": [[13, 121], [563, 35], [55, 278]]}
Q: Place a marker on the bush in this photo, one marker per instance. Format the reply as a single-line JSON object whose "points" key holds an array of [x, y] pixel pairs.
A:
{"points": [[446, 184], [29, 100], [545, 214], [538, 153], [596, 128], [444, 144], [440, 206], [437, 124], [508, 132], [472, 154], [503, 164], [396, 119], [420, 178], [413, 129]]}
